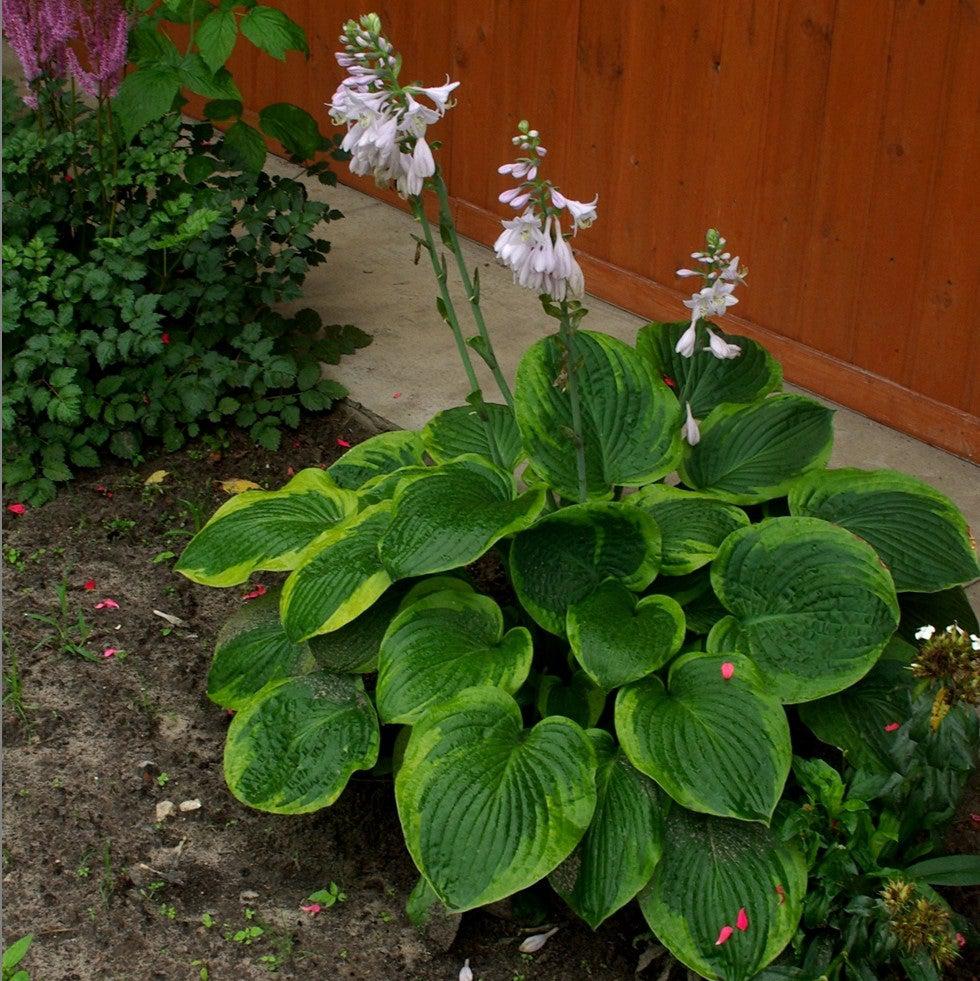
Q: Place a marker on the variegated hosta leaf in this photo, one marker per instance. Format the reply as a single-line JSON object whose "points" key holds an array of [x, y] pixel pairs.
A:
{"points": [[717, 745], [460, 431], [703, 380], [443, 643], [451, 515], [567, 554], [693, 525], [339, 576], [861, 720], [384, 486], [578, 699], [936, 609], [752, 453], [812, 605], [487, 807], [631, 421], [617, 856], [434, 584], [265, 529], [377, 456], [353, 649], [712, 868], [918, 532], [292, 749], [618, 639], [252, 649]]}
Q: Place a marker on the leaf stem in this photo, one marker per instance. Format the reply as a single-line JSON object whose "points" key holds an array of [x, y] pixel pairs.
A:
{"points": [[567, 331], [487, 352]]}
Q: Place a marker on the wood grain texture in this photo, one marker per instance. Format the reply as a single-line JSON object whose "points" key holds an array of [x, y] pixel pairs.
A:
{"points": [[832, 141]]}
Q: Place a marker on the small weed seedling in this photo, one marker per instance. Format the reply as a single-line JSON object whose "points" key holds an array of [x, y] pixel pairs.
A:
{"points": [[12, 957], [117, 527], [163, 779], [14, 557], [13, 684], [68, 636], [325, 898]]}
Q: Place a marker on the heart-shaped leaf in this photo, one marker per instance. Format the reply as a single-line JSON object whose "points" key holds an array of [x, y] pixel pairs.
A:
{"points": [[703, 380], [752, 453], [618, 639], [252, 649], [293, 748], [693, 525], [377, 456], [469, 768], [265, 529], [865, 720], [443, 643], [567, 554], [339, 577], [918, 532], [711, 869], [714, 738], [451, 515], [578, 699], [617, 856], [813, 605], [631, 422], [456, 432]]}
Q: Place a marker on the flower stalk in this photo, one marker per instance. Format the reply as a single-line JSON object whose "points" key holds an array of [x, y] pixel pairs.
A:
{"points": [[567, 332]]}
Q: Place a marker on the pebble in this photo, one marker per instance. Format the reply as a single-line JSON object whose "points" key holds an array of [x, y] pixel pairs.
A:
{"points": [[190, 805], [164, 809]]}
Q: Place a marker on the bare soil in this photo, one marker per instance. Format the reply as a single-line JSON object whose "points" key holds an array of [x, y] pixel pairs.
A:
{"points": [[111, 892]]}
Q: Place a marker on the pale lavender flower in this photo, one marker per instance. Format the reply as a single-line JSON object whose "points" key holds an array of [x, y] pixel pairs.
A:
{"points": [[721, 349], [533, 944], [690, 430]]}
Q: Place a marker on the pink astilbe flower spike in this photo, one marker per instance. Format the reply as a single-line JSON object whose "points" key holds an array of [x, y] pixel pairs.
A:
{"points": [[105, 29], [39, 31], [724, 935], [742, 921], [107, 604], [727, 670]]}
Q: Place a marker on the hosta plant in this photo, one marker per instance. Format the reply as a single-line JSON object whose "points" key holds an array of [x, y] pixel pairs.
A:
{"points": [[595, 614]]}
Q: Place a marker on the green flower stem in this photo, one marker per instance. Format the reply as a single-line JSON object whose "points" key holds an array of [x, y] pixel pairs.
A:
{"points": [[446, 218], [439, 268], [572, 365]]}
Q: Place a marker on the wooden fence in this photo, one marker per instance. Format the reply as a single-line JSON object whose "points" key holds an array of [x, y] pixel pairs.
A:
{"points": [[834, 142]]}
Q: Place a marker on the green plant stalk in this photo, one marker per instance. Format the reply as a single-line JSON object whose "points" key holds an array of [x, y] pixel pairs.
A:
{"points": [[440, 273], [446, 218], [567, 331]]}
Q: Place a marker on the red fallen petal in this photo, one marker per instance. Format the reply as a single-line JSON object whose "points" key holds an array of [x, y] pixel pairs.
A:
{"points": [[255, 593], [311, 908], [727, 670], [69, 178], [742, 922], [290, 472], [89, 584], [396, 395], [107, 604], [960, 941], [164, 338], [230, 711], [781, 894], [669, 382], [343, 443], [975, 818], [17, 508], [110, 652], [723, 935], [892, 726]]}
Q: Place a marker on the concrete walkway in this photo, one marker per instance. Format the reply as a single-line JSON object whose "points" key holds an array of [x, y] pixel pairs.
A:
{"points": [[411, 370]]}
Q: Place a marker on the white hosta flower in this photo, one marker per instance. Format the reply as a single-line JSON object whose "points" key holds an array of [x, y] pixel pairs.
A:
{"points": [[732, 273], [540, 257], [712, 301], [955, 629], [415, 168], [925, 633], [583, 212], [690, 430], [975, 642], [721, 349], [533, 944], [439, 94], [466, 972], [687, 341]]}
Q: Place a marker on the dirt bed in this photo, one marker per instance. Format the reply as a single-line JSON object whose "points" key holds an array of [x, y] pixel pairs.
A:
{"points": [[110, 890]]}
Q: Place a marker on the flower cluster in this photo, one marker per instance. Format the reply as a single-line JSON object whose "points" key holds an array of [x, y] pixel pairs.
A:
{"points": [[721, 273], [920, 924], [950, 659], [41, 33], [534, 246], [386, 123]]}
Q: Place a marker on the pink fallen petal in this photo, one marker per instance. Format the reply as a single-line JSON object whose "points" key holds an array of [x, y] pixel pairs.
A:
{"points": [[311, 908], [742, 921], [230, 711], [343, 443], [290, 472], [107, 604], [892, 726], [781, 893], [110, 652], [960, 941], [723, 935], [975, 818], [89, 584], [255, 593], [17, 508], [396, 395], [727, 670]]}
